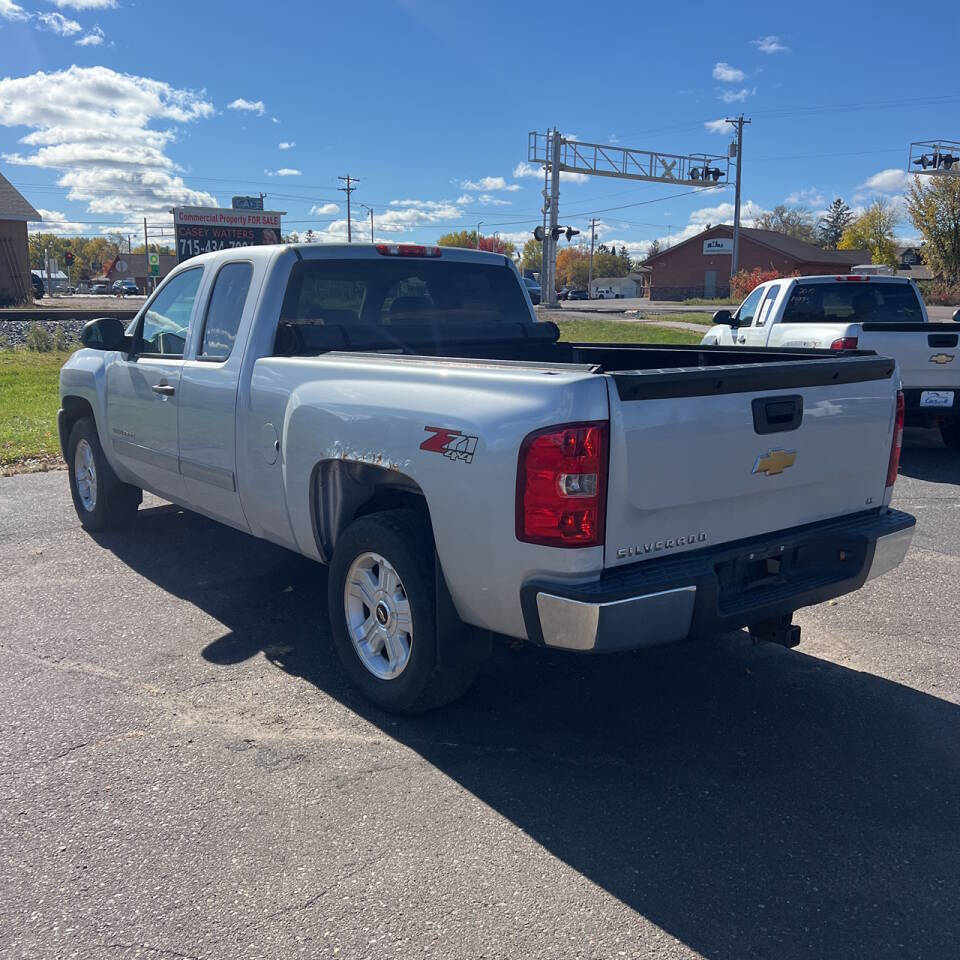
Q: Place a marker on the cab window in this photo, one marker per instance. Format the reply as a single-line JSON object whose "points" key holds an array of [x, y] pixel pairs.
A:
{"points": [[773, 291], [224, 310], [166, 322], [748, 308]]}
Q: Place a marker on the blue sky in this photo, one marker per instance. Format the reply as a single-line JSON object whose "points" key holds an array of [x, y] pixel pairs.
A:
{"points": [[113, 109]]}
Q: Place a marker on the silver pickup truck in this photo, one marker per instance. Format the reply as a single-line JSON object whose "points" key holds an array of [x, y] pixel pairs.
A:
{"points": [[396, 412], [865, 312]]}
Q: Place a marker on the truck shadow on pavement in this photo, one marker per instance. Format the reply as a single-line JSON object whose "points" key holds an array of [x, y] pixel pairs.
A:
{"points": [[751, 802], [926, 457]]}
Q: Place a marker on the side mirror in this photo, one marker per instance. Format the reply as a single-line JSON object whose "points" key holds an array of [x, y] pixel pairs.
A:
{"points": [[724, 317], [105, 333], [956, 315]]}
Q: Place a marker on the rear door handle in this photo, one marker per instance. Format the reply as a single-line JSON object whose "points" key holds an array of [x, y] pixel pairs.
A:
{"points": [[164, 389]]}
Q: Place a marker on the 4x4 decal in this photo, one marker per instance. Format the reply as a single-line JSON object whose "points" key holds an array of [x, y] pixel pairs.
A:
{"points": [[451, 443]]}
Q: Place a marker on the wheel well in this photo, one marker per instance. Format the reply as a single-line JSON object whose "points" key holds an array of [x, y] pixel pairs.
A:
{"points": [[74, 409], [343, 490]]}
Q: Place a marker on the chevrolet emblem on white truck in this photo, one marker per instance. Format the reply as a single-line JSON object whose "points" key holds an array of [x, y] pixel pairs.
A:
{"points": [[774, 462]]}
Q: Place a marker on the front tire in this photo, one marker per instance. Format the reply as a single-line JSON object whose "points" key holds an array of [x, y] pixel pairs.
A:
{"points": [[101, 499], [951, 435], [381, 595]]}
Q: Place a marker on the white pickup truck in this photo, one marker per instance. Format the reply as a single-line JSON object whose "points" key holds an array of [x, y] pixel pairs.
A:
{"points": [[396, 412], [880, 313]]}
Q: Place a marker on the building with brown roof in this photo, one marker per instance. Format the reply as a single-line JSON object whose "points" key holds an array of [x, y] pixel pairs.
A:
{"points": [[700, 266], [15, 212]]}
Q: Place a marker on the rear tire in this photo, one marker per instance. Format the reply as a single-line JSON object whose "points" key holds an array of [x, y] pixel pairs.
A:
{"points": [[381, 595], [951, 435], [101, 499]]}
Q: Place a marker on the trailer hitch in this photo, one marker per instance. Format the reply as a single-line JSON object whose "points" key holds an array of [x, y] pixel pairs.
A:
{"points": [[778, 630]]}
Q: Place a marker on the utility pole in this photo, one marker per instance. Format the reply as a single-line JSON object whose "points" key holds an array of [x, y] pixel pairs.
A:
{"points": [[348, 189], [737, 122], [146, 255], [479, 225], [593, 235], [550, 245]]}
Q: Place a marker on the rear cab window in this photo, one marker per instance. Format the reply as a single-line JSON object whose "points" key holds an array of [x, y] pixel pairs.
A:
{"points": [[847, 301], [224, 310], [353, 302]]}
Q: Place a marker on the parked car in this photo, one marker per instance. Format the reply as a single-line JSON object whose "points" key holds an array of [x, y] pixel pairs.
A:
{"points": [[464, 472], [606, 293], [533, 288], [99, 288], [126, 287], [858, 311], [577, 295], [39, 290], [563, 293]]}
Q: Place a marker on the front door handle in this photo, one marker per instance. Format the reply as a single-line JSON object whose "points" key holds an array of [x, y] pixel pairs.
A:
{"points": [[164, 389], [739, 340]]}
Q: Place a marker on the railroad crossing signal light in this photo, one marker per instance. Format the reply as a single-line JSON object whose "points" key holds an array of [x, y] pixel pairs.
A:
{"points": [[705, 173], [936, 160], [570, 233]]}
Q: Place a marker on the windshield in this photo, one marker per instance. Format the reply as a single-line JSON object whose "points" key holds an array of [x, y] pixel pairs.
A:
{"points": [[853, 302], [392, 290]]}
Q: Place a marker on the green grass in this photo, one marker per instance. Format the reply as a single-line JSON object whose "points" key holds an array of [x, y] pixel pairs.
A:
{"points": [[617, 331], [29, 399], [698, 301], [703, 319]]}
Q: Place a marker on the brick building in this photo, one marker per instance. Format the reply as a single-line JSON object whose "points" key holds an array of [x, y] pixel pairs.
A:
{"points": [[15, 283], [700, 266]]}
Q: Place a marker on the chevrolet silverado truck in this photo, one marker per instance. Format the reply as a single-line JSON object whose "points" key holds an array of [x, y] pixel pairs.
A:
{"points": [[396, 411], [880, 313]]}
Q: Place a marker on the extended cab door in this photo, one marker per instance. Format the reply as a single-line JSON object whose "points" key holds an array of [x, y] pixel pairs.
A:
{"points": [[208, 396], [142, 390], [759, 330]]}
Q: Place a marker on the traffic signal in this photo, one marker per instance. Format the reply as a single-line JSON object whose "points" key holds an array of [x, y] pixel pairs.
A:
{"points": [[68, 258]]}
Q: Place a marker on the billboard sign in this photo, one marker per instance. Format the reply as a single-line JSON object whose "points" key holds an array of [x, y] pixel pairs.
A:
{"points": [[247, 203], [206, 229], [718, 245], [154, 261]]}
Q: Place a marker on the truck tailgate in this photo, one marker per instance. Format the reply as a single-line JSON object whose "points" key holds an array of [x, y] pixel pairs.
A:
{"points": [[701, 456], [926, 353]]}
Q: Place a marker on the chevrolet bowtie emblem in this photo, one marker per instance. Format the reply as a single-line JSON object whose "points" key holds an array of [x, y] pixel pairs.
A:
{"points": [[942, 357], [774, 461]]}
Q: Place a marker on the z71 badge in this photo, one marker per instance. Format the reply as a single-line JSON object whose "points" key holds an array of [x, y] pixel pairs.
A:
{"points": [[453, 444]]}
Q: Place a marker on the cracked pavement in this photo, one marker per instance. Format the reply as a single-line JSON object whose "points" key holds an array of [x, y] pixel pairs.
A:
{"points": [[184, 772]]}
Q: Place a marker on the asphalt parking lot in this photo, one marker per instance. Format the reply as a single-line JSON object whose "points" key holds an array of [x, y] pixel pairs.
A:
{"points": [[184, 773]]}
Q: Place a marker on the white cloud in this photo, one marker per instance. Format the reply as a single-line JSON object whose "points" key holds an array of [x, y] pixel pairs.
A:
{"points": [[325, 209], [85, 4], [286, 145], [727, 74], [251, 106], [274, 120], [283, 172], [92, 39], [58, 23], [489, 183], [566, 176], [489, 200], [524, 169], [13, 12], [770, 44], [720, 213], [56, 222], [887, 181], [806, 197], [717, 126], [736, 96], [93, 125]]}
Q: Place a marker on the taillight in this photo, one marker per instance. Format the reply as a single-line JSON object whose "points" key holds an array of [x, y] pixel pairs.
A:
{"points": [[562, 485], [897, 443], [844, 343]]}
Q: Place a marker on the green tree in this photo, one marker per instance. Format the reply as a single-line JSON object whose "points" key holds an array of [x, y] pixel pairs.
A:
{"points": [[459, 238], [794, 222], [934, 210], [873, 231], [654, 248], [532, 256], [831, 225]]}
